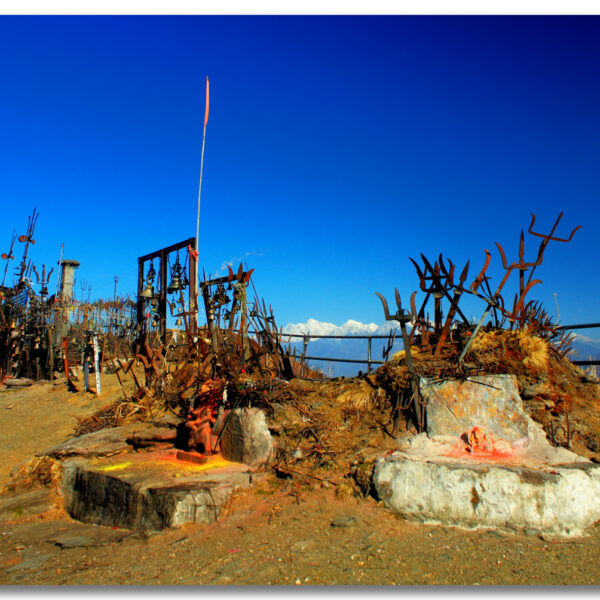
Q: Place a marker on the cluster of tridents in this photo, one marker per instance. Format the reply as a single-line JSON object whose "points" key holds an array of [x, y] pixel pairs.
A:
{"points": [[437, 281], [207, 374], [26, 348]]}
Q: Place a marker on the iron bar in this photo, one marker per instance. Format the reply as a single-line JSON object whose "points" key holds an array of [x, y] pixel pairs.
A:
{"points": [[330, 337], [586, 362], [579, 326], [347, 360]]}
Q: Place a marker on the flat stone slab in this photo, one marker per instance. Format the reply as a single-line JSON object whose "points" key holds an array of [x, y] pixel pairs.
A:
{"points": [[111, 441], [509, 477], [553, 499], [16, 504], [149, 490]]}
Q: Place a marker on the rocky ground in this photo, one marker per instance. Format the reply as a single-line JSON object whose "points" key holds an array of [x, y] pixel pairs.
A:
{"points": [[283, 531]]}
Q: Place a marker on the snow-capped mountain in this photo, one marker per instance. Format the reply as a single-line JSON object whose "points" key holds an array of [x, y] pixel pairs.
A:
{"points": [[350, 327], [585, 348], [347, 348]]}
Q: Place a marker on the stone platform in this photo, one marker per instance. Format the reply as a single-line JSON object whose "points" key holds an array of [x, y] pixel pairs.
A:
{"points": [[518, 481], [149, 490]]}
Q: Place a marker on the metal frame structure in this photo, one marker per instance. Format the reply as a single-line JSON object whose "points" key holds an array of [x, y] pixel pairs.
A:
{"points": [[162, 256]]}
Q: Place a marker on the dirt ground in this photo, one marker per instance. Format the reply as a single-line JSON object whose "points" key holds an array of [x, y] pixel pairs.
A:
{"points": [[279, 532]]}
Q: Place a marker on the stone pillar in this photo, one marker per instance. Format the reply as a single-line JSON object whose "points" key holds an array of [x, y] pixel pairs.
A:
{"points": [[65, 294], [67, 276]]}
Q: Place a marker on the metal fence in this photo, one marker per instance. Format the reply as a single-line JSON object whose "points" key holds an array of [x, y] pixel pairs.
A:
{"points": [[582, 326], [306, 338]]}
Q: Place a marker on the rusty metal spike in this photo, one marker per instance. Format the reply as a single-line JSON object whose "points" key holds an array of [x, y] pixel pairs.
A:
{"points": [[413, 305], [398, 301], [441, 263], [522, 247], [525, 291], [503, 257], [386, 310], [428, 264], [478, 280], [450, 276], [419, 273], [464, 273]]}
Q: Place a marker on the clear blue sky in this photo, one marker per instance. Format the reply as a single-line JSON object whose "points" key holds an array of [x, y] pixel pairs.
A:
{"points": [[336, 148]]}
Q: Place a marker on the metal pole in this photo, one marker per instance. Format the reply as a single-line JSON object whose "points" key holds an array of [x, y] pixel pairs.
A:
{"points": [[305, 340], [162, 297], [200, 188]]}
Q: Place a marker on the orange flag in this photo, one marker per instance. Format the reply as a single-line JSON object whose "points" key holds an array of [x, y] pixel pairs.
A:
{"points": [[206, 113]]}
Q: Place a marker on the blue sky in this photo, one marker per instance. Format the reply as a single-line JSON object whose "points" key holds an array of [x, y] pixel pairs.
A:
{"points": [[336, 148]]}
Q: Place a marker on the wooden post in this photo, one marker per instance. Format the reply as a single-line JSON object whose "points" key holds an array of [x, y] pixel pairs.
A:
{"points": [[97, 364]]}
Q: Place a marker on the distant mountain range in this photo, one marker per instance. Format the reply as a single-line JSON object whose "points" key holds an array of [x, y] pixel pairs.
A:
{"points": [[584, 346]]}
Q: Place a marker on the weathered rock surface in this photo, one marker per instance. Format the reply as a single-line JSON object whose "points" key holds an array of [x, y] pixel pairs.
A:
{"points": [[517, 481], [25, 503], [246, 438], [561, 500], [18, 383], [488, 401], [106, 442], [148, 491]]}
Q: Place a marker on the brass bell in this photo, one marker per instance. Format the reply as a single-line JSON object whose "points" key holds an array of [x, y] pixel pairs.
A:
{"points": [[178, 322], [155, 320], [175, 284], [148, 291]]}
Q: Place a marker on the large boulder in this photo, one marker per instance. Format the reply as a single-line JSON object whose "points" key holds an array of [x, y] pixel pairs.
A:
{"points": [[246, 438]]}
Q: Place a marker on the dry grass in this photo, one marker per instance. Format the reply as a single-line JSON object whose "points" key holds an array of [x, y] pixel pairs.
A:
{"points": [[400, 356], [40, 471], [486, 341], [359, 398], [521, 346], [535, 350]]}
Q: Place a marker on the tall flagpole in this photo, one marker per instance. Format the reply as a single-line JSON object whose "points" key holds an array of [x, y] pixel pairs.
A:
{"points": [[200, 190]]}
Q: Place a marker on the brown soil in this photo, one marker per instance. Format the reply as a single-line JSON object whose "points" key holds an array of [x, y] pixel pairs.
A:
{"points": [[286, 531]]}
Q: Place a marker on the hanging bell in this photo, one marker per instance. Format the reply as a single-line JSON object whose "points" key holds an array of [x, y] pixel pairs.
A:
{"points": [[175, 284], [155, 320], [148, 291], [178, 322], [175, 277]]}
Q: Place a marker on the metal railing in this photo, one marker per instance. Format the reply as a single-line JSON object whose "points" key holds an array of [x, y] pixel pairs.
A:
{"points": [[306, 338], [582, 326]]}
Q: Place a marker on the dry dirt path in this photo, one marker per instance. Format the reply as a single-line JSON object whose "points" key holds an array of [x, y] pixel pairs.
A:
{"points": [[277, 533]]}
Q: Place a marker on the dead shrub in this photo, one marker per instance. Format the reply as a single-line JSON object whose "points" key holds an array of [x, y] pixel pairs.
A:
{"points": [[38, 472]]}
